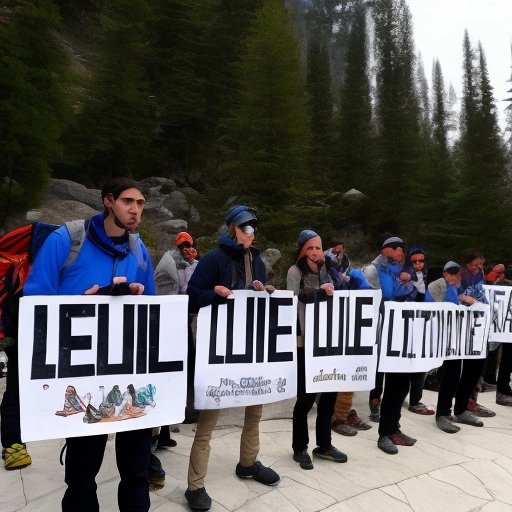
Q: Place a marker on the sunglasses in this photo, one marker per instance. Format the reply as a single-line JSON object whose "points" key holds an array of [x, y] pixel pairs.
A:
{"points": [[248, 229], [417, 261]]}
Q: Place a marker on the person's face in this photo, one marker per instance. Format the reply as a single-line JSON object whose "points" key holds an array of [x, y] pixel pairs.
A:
{"points": [[338, 250], [396, 253], [245, 234], [475, 266], [314, 252], [126, 210], [452, 279], [418, 262]]}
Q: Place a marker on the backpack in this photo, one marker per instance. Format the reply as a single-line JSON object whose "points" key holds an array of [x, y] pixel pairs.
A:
{"points": [[18, 249]]}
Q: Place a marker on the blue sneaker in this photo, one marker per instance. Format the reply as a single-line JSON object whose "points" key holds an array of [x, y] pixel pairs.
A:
{"points": [[330, 453]]}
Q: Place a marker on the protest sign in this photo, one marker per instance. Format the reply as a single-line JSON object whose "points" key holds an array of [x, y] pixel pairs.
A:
{"points": [[340, 341], [500, 301], [417, 337], [246, 350], [94, 364]]}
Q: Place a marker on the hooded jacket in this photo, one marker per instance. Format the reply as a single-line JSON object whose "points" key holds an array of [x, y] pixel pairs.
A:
{"points": [[100, 259], [222, 266]]}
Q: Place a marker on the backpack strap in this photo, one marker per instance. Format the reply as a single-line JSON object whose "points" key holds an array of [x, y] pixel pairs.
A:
{"points": [[76, 230]]}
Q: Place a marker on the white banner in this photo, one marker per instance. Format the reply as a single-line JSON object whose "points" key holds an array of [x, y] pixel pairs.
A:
{"points": [[500, 300], [419, 336], [340, 341], [246, 350], [93, 364]]}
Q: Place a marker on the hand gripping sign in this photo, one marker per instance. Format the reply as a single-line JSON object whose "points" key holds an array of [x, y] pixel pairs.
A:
{"points": [[98, 364], [246, 350]]}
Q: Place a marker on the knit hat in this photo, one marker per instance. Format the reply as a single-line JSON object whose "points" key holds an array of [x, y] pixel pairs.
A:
{"points": [[240, 214], [183, 236], [304, 236], [415, 250], [394, 240], [452, 268]]}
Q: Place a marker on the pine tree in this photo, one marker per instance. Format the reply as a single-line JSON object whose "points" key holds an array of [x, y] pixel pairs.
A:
{"points": [[113, 131], [481, 159], [398, 186], [320, 109], [33, 100], [269, 128], [355, 146]]}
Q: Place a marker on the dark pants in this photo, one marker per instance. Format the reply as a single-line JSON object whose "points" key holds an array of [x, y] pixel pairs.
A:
{"points": [[376, 392], [416, 391], [457, 384], [10, 408], [505, 369], [84, 456], [395, 391], [325, 410]]}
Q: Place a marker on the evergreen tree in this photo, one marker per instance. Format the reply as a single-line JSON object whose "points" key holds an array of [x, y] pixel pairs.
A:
{"points": [[268, 130], [113, 130], [355, 147], [33, 101], [423, 96], [320, 106], [399, 185], [482, 189]]}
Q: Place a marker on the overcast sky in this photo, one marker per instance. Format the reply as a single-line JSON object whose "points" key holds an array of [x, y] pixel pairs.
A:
{"points": [[439, 30]]}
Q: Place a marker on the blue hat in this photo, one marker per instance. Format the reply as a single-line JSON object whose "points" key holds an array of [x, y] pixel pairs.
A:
{"points": [[304, 236], [240, 214], [415, 250]]}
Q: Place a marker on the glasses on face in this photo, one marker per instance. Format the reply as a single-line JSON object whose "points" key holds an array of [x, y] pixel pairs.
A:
{"points": [[415, 262], [395, 245], [185, 245]]}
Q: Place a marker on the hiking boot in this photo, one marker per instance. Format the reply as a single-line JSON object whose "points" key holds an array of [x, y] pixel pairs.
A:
{"points": [[303, 459], [401, 439], [330, 453], [468, 419], [162, 444], [420, 408], [259, 472], [198, 499], [386, 445], [487, 386], [446, 425], [479, 410], [342, 428], [375, 409], [156, 474], [502, 399], [16, 457], [356, 422]]}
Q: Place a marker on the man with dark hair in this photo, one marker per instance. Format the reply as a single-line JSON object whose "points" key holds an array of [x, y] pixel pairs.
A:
{"points": [[111, 254]]}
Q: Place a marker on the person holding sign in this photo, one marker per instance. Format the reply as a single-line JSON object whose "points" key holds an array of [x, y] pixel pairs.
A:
{"points": [[385, 272], [112, 261], [234, 265], [310, 281]]}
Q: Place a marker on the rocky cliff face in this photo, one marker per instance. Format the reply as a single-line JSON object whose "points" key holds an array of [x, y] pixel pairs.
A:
{"points": [[167, 212]]}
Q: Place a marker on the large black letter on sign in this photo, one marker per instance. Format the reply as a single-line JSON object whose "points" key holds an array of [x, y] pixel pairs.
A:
{"points": [[213, 358], [41, 370], [246, 357], [360, 322], [274, 330], [103, 367], [68, 343], [156, 366]]}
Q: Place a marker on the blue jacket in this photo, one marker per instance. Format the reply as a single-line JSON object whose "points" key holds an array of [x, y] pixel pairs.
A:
{"points": [[389, 276], [222, 266], [451, 293], [100, 260]]}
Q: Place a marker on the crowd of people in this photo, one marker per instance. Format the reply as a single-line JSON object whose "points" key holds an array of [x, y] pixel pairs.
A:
{"points": [[112, 253]]}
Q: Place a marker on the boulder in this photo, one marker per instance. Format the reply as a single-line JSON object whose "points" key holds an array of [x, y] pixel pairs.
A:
{"points": [[177, 203], [69, 190], [270, 257]]}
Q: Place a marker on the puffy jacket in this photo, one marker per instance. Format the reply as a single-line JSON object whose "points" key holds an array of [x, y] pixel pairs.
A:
{"points": [[100, 260], [222, 266]]}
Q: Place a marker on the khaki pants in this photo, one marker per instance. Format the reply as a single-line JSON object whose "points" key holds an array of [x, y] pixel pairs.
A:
{"points": [[200, 452], [343, 405]]}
